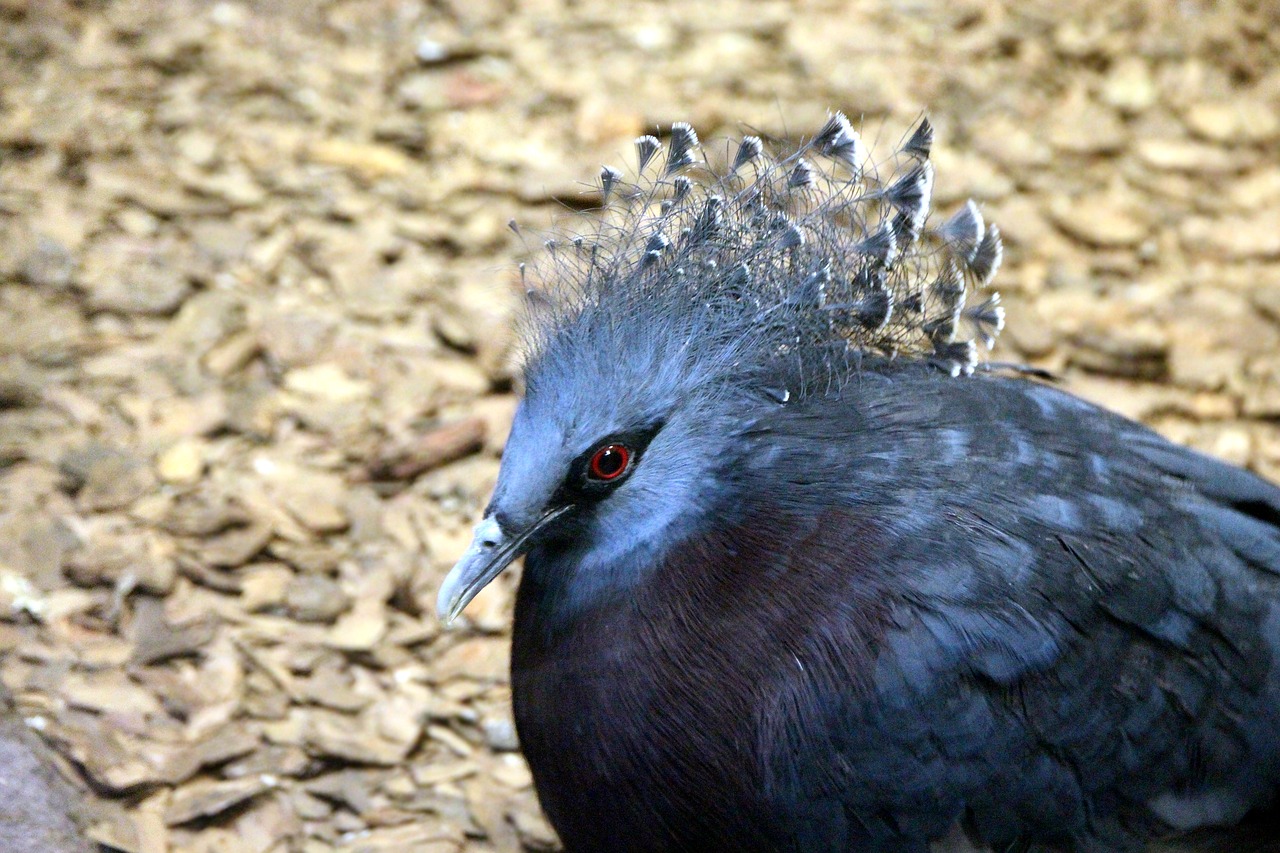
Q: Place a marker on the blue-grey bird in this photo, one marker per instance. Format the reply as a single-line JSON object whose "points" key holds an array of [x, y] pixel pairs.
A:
{"points": [[801, 574]]}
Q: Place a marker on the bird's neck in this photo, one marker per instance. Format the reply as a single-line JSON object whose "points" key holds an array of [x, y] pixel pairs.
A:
{"points": [[767, 571], [687, 676]]}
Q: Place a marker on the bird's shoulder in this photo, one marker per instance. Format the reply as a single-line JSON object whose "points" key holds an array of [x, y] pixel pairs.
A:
{"points": [[1076, 612]]}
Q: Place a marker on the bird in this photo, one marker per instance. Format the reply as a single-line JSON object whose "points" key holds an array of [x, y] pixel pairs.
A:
{"points": [[805, 570]]}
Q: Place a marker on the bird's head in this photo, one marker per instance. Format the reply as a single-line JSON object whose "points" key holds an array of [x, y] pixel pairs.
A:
{"points": [[664, 336], [625, 436]]}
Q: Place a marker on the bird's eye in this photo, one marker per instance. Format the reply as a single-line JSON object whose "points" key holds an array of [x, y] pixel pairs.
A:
{"points": [[609, 462]]}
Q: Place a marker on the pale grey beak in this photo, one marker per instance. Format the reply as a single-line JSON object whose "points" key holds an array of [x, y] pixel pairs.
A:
{"points": [[491, 551]]}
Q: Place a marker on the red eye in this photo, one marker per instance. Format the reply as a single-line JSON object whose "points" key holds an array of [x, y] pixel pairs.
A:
{"points": [[609, 462]]}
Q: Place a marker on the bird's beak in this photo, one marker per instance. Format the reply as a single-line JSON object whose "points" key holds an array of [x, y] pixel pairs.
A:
{"points": [[491, 551]]}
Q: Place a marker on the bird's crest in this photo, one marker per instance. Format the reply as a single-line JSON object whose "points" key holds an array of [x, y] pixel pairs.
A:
{"points": [[816, 247]]}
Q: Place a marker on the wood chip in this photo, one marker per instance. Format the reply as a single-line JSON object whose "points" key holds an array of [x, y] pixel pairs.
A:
{"points": [[202, 799], [429, 450]]}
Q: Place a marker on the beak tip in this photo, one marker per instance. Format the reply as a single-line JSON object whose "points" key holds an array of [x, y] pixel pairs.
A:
{"points": [[491, 551], [448, 606]]}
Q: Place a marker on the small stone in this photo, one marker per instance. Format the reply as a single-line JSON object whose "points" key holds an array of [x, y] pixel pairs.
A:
{"points": [[1082, 126], [533, 829], [1262, 400], [360, 629], [21, 385], [369, 160], [512, 772], [234, 546], [319, 515], [264, 587], [1100, 220], [442, 772], [1183, 155], [203, 513], [1267, 299], [137, 275], [480, 658], [106, 478], [1257, 190], [231, 354], [223, 744], [459, 377], [207, 799], [1231, 444], [1129, 86], [189, 418], [1235, 237], [18, 595], [500, 734], [233, 185], [333, 688], [497, 413], [327, 382], [106, 692], [157, 640], [315, 598], [1013, 145], [31, 538], [297, 339], [48, 263], [1234, 121], [199, 147], [64, 603], [1137, 350], [1079, 38], [222, 241], [427, 450], [353, 738], [107, 757], [312, 497], [307, 557], [137, 222], [182, 464], [430, 52], [399, 718], [44, 334], [309, 807], [143, 560]]}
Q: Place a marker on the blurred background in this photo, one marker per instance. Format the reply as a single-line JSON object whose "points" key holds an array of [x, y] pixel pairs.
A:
{"points": [[255, 369]]}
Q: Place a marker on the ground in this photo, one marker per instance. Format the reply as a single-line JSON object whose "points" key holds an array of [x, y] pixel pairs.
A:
{"points": [[255, 369]]}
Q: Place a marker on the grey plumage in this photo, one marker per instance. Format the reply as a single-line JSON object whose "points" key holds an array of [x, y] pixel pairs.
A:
{"points": [[839, 140], [801, 175], [986, 259], [683, 148], [920, 144], [609, 178], [865, 221], [911, 195], [646, 147], [749, 149], [989, 319], [963, 232]]}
